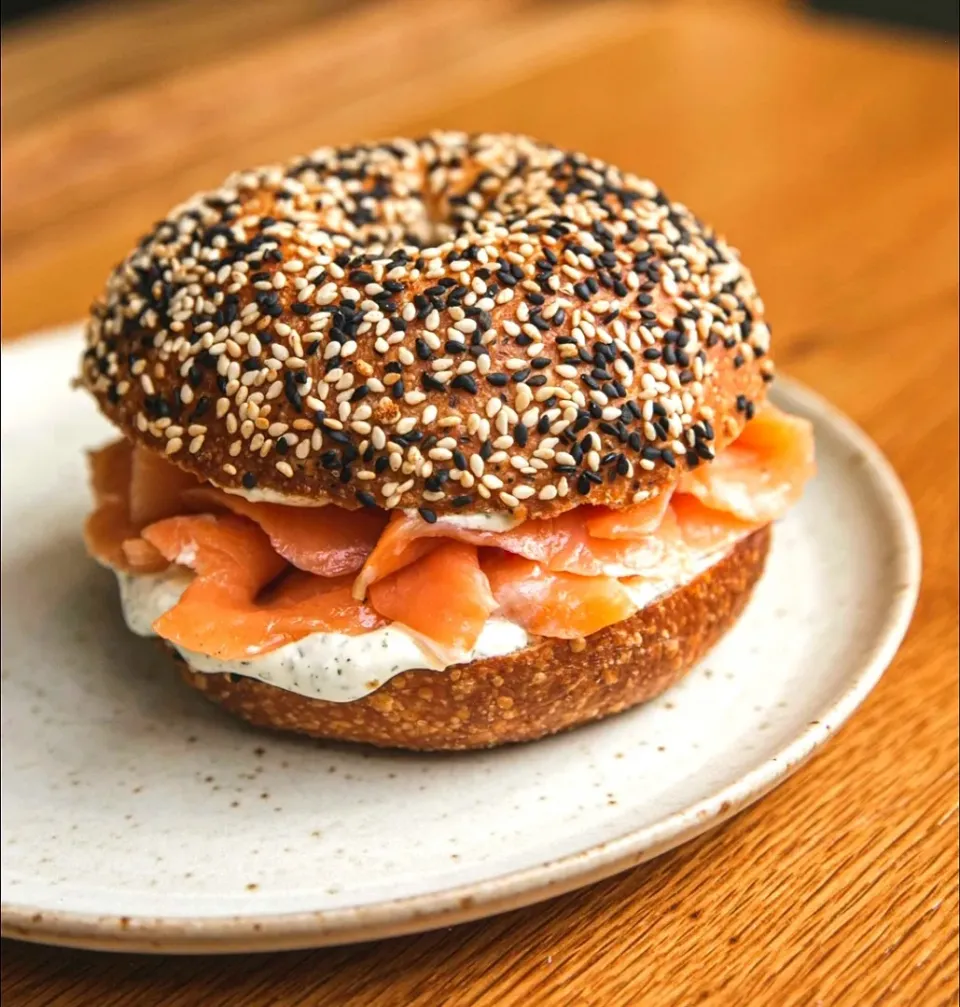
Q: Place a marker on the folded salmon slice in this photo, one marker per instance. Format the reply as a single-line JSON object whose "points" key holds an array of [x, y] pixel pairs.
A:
{"points": [[110, 533], [554, 603], [762, 473], [444, 598], [631, 523], [225, 612], [702, 530], [156, 487], [562, 543], [327, 541]]}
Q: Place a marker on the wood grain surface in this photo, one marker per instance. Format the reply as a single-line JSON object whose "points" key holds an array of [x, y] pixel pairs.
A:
{"points": [[828, 152]]}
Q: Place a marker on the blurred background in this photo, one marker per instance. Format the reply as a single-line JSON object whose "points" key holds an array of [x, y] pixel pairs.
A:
{"points": [[934, 15], [750, 111]]}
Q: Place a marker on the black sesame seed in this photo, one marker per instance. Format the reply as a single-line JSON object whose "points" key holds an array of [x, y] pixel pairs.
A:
{"points": [[291, 391]]}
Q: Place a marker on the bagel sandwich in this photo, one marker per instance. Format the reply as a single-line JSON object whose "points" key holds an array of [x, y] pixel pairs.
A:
{"points": [[435, 443]]}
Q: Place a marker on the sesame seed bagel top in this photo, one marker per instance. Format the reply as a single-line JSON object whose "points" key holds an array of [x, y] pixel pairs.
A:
{"points": [[456, 323]]}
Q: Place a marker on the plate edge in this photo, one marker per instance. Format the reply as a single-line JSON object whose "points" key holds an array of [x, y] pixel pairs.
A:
{"points": [[461, 904]]}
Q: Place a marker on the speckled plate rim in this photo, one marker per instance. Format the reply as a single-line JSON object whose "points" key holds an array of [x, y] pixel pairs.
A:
{"points": [[288, 931]]}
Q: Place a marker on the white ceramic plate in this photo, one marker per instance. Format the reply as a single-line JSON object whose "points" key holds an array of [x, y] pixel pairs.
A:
{"points": [[137, 815]]}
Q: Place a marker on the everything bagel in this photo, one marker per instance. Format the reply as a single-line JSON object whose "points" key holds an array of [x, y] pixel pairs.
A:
{"points": [[436, 443], [456, 323]]}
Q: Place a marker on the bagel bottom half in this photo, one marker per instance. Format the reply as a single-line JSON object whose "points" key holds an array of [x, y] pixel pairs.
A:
{"points": [[548, 686]]}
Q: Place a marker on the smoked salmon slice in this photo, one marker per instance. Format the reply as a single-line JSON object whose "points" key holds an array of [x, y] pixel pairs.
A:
{"points": [[551, 603], [631, 522], [444, 598], [156, 487], [703, 530], [404, 540], [269, 574], [560, 543], [111, 469], [220, 613], [110, 535], [762, 473], [328, 541]]}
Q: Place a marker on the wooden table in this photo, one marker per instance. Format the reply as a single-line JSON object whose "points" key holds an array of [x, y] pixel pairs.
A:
{"points": [[829, 153]]}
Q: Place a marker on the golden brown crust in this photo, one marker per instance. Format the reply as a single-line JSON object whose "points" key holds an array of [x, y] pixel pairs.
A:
{"points": [[474, 323], [547, 687]]}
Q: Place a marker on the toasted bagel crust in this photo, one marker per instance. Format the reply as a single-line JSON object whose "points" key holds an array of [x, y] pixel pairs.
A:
{"points": [[549, 686], [457, 323]]}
